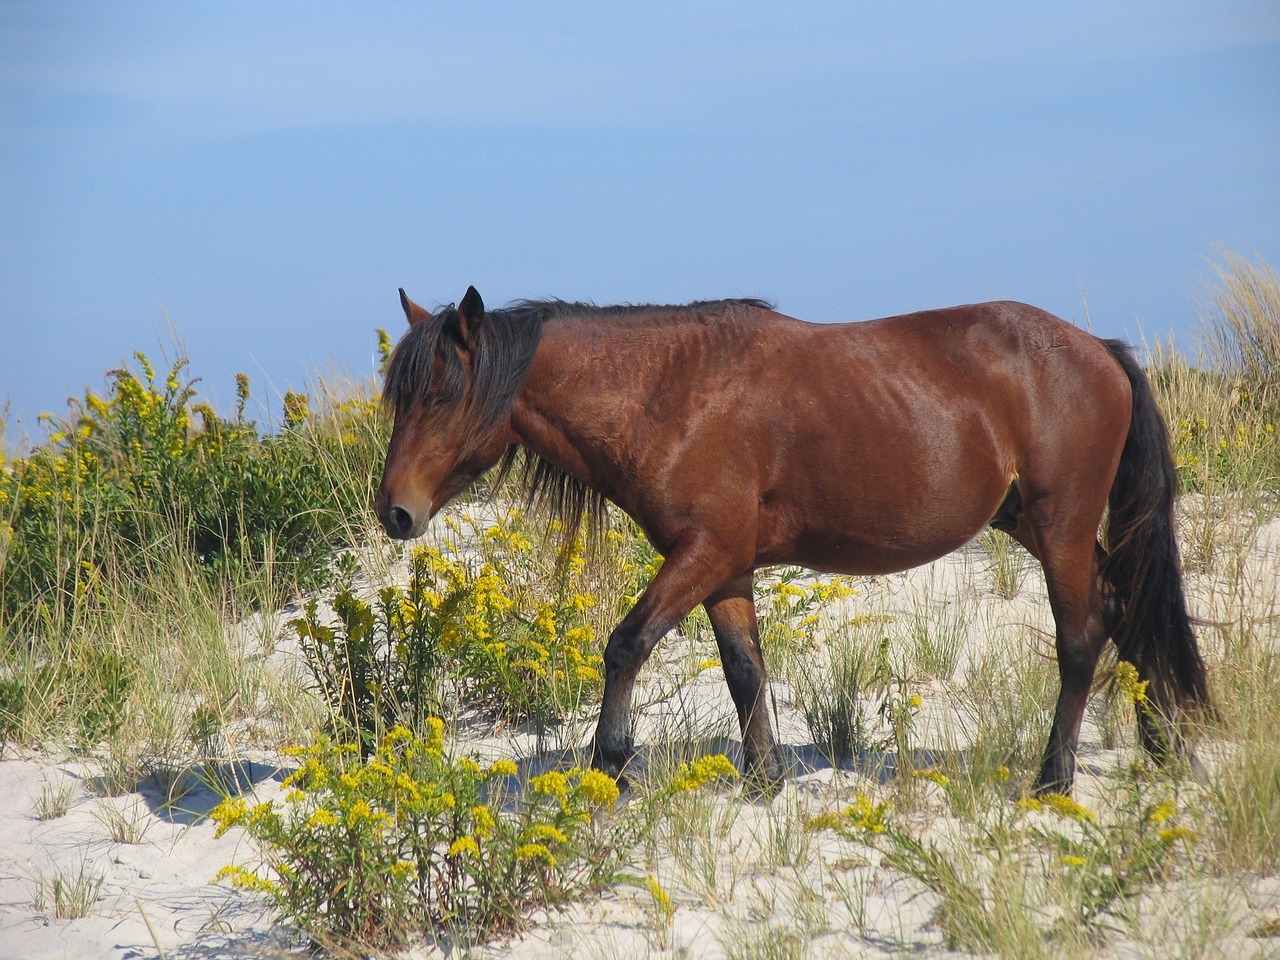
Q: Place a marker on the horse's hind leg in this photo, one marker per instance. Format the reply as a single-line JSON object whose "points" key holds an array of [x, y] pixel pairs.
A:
{"points": [[733, 618], [1067, 549]]}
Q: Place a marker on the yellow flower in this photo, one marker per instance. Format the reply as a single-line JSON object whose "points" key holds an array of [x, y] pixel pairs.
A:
{"points": [[553, 784], [407, 788], [435, 736], [503, 768], [243, 879], [866, 814], [579, 636], [232, 812], [1071, 860], [464, 845], [599, 788], [824, 821], [402, 870], [483, 819], [544, 832], [941, 779], [534, 668], [1134, 689], [385, 345], [535, 851], [321, 818], [260, 813], [661, 899], [1162, 812], [1173, 834], [396, 734], [1065, 807], [698, 773], [361, 812]]}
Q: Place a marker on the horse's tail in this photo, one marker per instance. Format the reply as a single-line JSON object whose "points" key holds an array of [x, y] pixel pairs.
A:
{"points": [[1142, 566]]}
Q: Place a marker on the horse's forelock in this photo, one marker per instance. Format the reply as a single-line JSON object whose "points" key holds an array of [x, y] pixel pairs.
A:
{"points": [[427, 370], [410, 379]]}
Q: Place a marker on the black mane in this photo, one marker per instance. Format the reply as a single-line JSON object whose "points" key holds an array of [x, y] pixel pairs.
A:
{"points": [[552, 309]]}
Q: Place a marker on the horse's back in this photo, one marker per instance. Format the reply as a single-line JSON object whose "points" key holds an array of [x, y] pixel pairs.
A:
{"points": [[884, 443]]}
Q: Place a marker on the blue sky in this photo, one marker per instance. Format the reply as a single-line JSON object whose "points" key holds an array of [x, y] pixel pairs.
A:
{"points": [[261, 177]]}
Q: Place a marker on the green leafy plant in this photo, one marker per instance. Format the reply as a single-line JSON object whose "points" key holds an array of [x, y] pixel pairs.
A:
{"points": [[143, 498], [492, 636], [364, 852]]}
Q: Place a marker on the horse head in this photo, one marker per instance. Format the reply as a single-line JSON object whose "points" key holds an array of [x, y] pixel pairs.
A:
{"points": [[448, 424]]}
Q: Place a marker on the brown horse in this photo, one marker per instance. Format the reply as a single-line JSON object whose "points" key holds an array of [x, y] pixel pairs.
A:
{"points": [[739, 438]]}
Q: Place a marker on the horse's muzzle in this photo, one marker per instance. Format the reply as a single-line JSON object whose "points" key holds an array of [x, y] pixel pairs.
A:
{"points": [[398, 522]]}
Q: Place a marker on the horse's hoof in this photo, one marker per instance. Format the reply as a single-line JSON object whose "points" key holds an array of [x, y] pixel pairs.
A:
{"points": [[761, 789], [763, 782], [614, 763]]}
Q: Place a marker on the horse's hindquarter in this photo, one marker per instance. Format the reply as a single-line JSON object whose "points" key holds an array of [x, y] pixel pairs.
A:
{"points": [[893, 442]]}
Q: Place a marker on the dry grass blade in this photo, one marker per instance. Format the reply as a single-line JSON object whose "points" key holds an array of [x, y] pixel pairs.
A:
{"points": [[1241, 324]]}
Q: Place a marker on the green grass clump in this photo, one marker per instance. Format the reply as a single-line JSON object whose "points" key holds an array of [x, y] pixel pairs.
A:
{"points": [[1223, 405], [69, 896], [1016, 877]]}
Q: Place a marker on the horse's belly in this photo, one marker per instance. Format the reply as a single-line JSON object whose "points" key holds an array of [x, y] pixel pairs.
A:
{"points": [[902, 526], [854, 556]]}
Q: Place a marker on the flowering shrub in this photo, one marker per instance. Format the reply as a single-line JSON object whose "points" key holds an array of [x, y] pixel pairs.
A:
{"points": [[1234, 450], [1047, 859], [695, 774], [366, 852], [126, 480], [792, 611], [494, 634], [137, 496]]}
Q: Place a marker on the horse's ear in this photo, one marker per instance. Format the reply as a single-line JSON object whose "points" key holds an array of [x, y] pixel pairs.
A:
{"points": [[470, 315], [413, 313]]}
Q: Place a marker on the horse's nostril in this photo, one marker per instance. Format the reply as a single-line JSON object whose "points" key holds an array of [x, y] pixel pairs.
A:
{"points": [[399, 522]]}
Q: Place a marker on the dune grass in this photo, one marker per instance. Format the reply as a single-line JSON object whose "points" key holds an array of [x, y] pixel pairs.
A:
{"points": [[149, 547]]}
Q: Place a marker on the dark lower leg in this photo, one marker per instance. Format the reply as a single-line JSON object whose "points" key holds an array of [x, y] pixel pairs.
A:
{"points": [[684, 581], [1078, 651], [733, 618]]}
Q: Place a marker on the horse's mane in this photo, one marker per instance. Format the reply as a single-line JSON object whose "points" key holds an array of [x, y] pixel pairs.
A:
{"points": [[426, 372]]}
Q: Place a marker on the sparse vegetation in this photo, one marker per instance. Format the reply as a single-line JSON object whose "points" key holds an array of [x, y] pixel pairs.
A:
{"points": [[67, 895], [149, 547]]}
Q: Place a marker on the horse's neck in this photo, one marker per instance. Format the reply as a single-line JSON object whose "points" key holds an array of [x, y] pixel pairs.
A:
{"points": [[577, 404]]}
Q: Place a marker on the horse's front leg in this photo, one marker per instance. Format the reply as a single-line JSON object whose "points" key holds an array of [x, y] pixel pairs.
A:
{"points": [[687, 576]]}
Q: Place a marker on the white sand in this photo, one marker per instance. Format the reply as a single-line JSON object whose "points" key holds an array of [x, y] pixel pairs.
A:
{"points": [[156, 899]]}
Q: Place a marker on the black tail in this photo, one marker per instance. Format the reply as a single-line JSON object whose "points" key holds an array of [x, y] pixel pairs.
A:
{"points": [[1142, 566]]}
